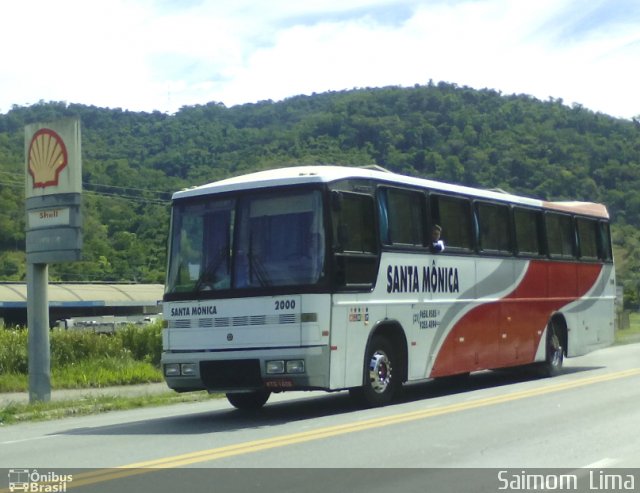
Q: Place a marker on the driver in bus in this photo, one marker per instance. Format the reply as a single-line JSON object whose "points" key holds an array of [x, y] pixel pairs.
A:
{"points": [[437, 245]]}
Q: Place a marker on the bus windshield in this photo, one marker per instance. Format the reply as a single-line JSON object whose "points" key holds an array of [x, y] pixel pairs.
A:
{"points": [[263, 240]]}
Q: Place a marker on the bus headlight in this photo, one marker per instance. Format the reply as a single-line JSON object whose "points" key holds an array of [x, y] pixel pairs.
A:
{"points": [[278, 367], [295, 366], [275, 367], [180, 369]]}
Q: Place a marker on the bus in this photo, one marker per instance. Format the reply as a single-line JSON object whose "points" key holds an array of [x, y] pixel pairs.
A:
{"points": [[324, 277]]}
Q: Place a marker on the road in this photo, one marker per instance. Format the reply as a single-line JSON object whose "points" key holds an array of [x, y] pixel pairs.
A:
{"points": [[587, 417]]}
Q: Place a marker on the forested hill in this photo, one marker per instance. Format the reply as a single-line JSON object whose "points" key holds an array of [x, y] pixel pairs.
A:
{"points": [[133, 161]]}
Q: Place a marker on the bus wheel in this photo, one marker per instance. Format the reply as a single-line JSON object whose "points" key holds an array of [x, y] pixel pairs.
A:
{"points": [[554, 350], [380, 381], [248, 401]]}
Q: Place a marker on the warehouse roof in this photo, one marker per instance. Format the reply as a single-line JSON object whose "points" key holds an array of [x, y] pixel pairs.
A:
{"points": [[14, 295]]}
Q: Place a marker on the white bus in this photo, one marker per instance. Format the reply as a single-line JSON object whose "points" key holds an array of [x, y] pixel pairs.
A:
{"points": [[324, 277]]}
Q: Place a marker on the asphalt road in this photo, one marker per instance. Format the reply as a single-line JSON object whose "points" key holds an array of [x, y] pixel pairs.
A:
{"points": [[456, 435]]}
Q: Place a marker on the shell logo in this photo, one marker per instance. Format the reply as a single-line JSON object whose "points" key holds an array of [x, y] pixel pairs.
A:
{"points": [[47, 158]]}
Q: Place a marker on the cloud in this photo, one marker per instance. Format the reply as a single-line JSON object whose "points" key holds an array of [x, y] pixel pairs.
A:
{"points": [[576, 20], [163, 54]]}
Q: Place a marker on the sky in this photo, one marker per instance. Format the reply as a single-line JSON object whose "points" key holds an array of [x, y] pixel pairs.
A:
{"points": [[161, 55]]}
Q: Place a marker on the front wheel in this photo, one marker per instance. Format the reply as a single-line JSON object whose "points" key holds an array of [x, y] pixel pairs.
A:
{"points": [[380, 378], [248, 401]]}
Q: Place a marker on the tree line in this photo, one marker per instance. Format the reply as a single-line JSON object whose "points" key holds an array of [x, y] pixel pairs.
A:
{"points": [[133, 161]]}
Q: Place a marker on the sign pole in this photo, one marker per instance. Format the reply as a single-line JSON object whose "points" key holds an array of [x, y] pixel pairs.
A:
{"points": [[53, 196], [38, 323]]}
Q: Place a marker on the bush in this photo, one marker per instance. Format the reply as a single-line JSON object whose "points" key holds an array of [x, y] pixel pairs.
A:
{"points": [[139, 343], [144, 343], [104, 372], [13, 351], [71, 347]]}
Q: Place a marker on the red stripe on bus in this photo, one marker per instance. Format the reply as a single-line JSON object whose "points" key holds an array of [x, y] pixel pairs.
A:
{"points": [[507, 332]]}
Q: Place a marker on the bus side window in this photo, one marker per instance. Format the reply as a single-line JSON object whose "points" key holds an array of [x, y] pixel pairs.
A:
{"points": [[354, 239], [604, 242], [494, 228], [560, 235], [354, 223], [453, 214], [527, 224], [401, 217], [587, 238], [383, 217]]}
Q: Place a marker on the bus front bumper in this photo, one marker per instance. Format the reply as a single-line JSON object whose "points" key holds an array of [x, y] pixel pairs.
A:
{"points": [[277, 370]]}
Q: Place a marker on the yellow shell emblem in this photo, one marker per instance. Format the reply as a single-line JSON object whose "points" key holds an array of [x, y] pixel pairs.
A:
{"points": [[47, 158]]}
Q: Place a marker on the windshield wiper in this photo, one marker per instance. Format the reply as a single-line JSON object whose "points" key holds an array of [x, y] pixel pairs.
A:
{"points": [[257, 266], [210, 270]]}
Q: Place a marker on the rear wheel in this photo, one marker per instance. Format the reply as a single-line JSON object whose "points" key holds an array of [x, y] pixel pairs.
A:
{"points": [[380, 379], [554, 352], [248, 401]]}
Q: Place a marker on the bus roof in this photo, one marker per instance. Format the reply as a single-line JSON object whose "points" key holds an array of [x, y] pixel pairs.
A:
{"points": [[325, 174]]}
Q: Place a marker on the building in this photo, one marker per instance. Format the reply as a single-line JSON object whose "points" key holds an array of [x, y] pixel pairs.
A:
{"points": [[83, 301]]}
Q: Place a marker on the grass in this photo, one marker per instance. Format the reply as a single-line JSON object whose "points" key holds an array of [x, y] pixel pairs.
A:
{"points": [[105, 372], [40, 411], [632, 334], [102, 372]]}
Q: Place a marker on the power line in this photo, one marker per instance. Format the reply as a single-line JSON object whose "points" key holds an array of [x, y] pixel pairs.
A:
{"points": [[130, 198], [118, 187], [12, 184], [94, 188], [12, 173], [166, 193], [133, 198]]}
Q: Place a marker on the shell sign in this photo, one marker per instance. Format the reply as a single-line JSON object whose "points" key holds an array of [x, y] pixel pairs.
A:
{"points": [[53, 191], [47, 157], [52, 154]]}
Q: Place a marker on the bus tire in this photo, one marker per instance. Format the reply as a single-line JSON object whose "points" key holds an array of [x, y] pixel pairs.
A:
{"points": [[381, 377], [554, 350], [248, 401]]}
